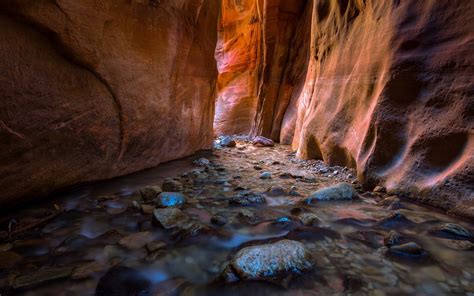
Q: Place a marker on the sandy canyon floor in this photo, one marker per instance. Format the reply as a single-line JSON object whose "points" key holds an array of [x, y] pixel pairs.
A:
{"points": [[234, 221]]}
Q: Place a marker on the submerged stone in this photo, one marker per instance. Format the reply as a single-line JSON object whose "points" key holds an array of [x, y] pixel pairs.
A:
{"points": [[394, 239], [170, 199], [137, 240], [246, 198], [41, 276], [452, 230], [170, 185], [168, 218], [276, 191], [123, 281], [395, 220], [341, 191], [410, 249], [270, 262], [150, 192], [218, 220]]}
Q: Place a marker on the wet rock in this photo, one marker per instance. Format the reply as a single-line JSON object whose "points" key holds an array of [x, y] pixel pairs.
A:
{"points": [[147, 209], [248, 217], [204, 162], [394, 239], [260, 141], [285, 175], [240, 188], [379, 189], [218, 220], [395, 220], [341, 191], [155, 246], [276, 191], [391, 203], [226, 141], [87, 270], [8, 259], [137, 240], [352, 284], [150, 192], [123, 281], [265, 175], [370, 238], [174, 220], [410, 249], [283, 220], [257, 167], [453, 231], [169, 218], [41, 276], [170, 199], [305, 217], [170, 185], [269, 262], [247, 198]]}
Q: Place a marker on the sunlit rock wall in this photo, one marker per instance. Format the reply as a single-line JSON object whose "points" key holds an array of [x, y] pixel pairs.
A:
{"points": [[238, 55], [389, 91], [384, 86], [92, 89]]}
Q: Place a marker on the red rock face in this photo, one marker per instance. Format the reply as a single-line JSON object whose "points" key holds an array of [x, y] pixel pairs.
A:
{"points": [[238, 54], [383, 86], [94, 89]]}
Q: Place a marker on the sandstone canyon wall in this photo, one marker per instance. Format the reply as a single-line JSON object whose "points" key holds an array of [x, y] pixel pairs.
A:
{"points": [[384, 86], [92, 89]]}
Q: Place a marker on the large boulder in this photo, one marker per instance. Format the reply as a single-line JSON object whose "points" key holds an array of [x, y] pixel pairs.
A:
{"points": [[92, 89], [269, 262]]}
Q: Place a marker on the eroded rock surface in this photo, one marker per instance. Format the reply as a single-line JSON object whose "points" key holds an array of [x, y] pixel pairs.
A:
{"points": [[95, 89], [380, 86]]}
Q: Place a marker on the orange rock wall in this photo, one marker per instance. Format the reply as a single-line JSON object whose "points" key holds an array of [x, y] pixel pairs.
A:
{"points": [[384, 86], [238, 55], [92, 89]]}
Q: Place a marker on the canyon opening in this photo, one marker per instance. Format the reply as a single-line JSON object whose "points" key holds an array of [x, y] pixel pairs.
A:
{"points": [[236, 147]]}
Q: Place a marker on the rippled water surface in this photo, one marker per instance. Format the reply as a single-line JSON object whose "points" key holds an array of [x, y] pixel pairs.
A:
{"points": [[65, 245]]}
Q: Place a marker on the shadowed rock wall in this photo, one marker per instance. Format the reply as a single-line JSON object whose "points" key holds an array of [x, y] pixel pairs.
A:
{"points": [[94, 89]]}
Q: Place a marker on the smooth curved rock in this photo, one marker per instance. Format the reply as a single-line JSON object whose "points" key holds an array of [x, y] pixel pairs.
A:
{"points": [[341, 191], [380, 86], [170, 199], [271, 261], [93, 89]]}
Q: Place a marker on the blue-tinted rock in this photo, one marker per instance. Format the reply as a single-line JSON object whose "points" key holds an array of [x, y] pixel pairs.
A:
{"points": [[170, 199], [341, 191], [265, 175]]}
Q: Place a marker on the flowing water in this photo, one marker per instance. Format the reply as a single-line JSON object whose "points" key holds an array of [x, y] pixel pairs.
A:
{"points": [[77, 237]]}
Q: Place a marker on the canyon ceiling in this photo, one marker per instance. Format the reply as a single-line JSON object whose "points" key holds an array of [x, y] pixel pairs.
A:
{"points": [[96, 89]]}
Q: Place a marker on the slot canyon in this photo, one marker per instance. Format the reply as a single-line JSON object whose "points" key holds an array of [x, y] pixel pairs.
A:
{"points": [[236, 147]]}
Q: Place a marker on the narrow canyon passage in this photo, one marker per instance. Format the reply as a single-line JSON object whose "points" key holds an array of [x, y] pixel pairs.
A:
{"points": [[123, 236], [236, 147]]}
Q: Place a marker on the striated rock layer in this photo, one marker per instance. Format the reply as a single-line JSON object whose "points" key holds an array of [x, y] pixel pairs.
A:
{"points": [[384, 86], [95, 89]]}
